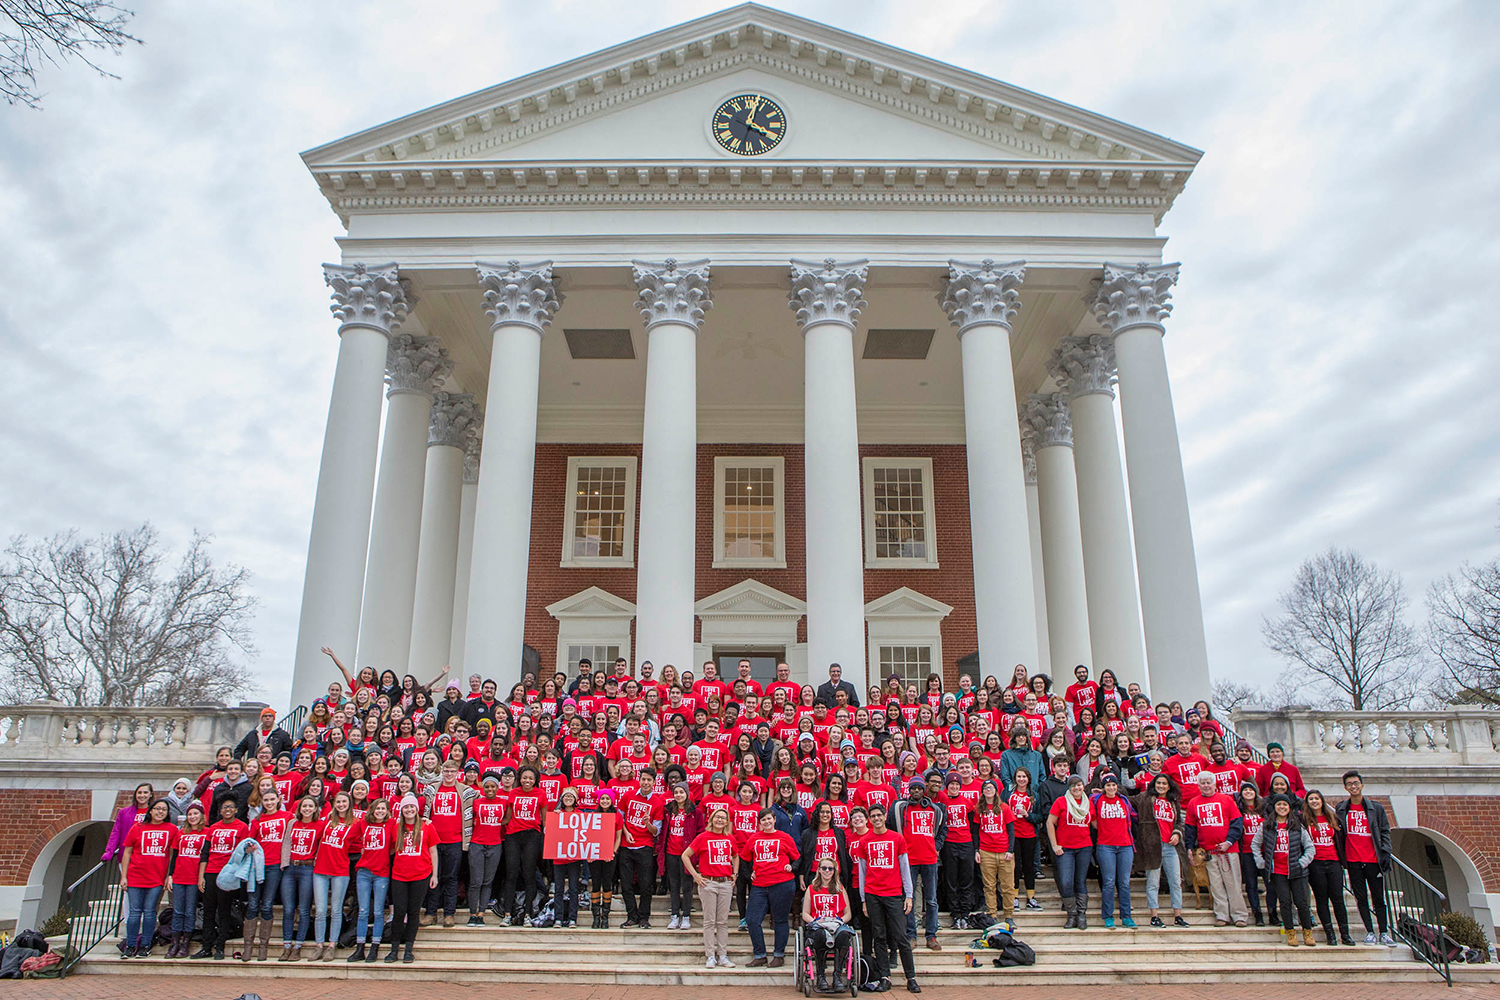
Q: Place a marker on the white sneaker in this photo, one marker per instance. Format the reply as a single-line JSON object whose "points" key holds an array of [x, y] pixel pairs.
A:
{"points": [[684, 924], [672, 924], [711, 963], [1371, 938], [725, 963]]}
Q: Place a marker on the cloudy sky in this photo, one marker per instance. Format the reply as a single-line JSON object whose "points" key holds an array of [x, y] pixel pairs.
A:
{"points": [[168, 351]]}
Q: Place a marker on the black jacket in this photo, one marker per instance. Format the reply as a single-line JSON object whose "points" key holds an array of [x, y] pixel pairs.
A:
{"points": [[900, 807], [278, 739], [476, 709], [1380, 830], [1048, 791], [805, 862], [447, 709], [827, 688]]}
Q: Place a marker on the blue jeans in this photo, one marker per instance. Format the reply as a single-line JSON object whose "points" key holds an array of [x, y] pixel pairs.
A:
{"points": [[1072, 867], [1114, 877], [328, 901], [140, 924], [296, 902], [924, 879], [777, 900], [370, 890], [184, 908], [1173, 870], [263, 899]]}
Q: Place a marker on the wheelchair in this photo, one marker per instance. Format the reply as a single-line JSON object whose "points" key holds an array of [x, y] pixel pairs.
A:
{"points": [[807, 969]]}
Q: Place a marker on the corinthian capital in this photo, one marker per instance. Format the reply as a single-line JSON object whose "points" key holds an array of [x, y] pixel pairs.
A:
{"points": [[1085, 365], [1134, 296], [472, 450], [522, 294], [1046, 421], [983, 293], [415, 364], [672, 292], [451, 422], [1028, 458], [829, 292], [366, 296]]}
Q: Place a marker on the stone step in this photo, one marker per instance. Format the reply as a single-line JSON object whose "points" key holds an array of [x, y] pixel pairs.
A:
{"points": [[1096, 936]]}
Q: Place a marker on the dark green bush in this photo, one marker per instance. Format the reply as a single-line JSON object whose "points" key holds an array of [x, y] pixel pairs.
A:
{"points": [[1466, 931]]}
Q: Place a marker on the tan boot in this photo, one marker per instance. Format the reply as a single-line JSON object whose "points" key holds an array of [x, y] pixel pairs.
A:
{"points": [[1307, 938], [252, 928], [1291, 938], [265, 938], [286, 953]]}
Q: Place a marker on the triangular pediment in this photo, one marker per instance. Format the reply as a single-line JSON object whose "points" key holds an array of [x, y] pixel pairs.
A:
{"points": [[750, 598], [592, 603], [907, 603], [848, 99]]}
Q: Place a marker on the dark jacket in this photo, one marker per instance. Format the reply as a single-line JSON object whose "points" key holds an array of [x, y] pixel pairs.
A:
{"points": [[1300, 850], [1028, 758], [447, 709], [1148, 845], [690, 830], [805, 862], [827, 688], [1048, 791], [239, 792], [1380, 830], [472, 711], [278, 739], [791, 822], [940, 829]]}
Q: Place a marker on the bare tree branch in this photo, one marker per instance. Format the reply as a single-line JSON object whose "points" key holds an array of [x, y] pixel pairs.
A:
{"points": [[1463, 632], [105, 623], [1343, 629], [1227, 696], [50, 32]]}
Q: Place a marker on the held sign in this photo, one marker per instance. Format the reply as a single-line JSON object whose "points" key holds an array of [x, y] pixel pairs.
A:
{"points": [[579, 836]]}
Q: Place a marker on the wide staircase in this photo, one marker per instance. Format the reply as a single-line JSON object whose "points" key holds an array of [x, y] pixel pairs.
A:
{"points": [[1197, 954]]}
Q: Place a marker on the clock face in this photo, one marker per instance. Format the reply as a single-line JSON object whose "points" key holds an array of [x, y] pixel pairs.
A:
{"points": [[749, 124]]}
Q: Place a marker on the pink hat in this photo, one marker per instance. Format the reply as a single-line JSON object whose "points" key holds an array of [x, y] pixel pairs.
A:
{"points": [[409, 800]]}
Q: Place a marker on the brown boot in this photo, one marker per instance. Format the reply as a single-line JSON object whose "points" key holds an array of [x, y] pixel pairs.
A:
{"points": [[265, 938], [286, 952], [252, 928], [1291, 938], [1307, 938]]}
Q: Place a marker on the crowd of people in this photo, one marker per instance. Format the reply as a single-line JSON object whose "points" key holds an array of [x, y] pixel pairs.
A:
{"points": [[848, 812]]}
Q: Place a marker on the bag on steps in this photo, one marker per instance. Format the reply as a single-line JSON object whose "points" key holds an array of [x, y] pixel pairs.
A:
{"points": [[1015, 953]]}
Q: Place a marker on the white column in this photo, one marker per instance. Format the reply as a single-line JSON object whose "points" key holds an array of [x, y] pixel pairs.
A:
{"points": [[1047, 423], [673, 299], [981, 299], [415, 366], [448, 431], [1131, 303], [520, 300], [1038, 577], [369, 304], [465, 555], [1084, 368], [828, 298]]}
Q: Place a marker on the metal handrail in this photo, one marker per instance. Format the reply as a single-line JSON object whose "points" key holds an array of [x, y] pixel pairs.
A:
{"points": [[1416, 909], [95, 907], [292, 721]]}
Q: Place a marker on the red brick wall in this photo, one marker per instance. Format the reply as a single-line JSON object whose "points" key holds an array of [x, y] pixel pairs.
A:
{"points": [[1473, 823], [30, 818], [952, 583]]}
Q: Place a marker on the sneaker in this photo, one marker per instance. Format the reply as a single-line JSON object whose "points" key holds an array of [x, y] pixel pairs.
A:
{"points": [[1179, 922], [672, 924], [644, 925], [725, 963], [1157, 922], [684, 924], [1387, 940], [1109, 922], [1127, 922], [475, 921], [743, 925], [1260, 920], [1015, 905], [711, 963], [1372, 938], [505, 920], [1032, 904]]}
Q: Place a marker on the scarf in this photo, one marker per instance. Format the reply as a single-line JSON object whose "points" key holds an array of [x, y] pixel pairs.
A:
{"points": [[1078, 809]]}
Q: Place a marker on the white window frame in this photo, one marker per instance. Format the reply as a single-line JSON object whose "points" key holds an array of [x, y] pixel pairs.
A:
{"points": [[570, 498], [905, 617], [930, 560], [778, 465], [933, 654], [592, 617]]}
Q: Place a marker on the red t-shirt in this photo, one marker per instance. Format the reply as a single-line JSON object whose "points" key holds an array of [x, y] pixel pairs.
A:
{"points": [[992, 837], [919, 828], [882, 853], [488, 812], [771, 853], [1359, 839], [447, 814], [1020, 806], [269, 829], [223, 838], [1227, 775], [1112, 815], [825, 845], [637, 813], [189, 853], [1165, 816], [744, 821], [374, 841], [826, 904], [676, 832], [1324, 848], [1082, 696], [304, 837], [1281, 852], [868, 794], [959, 811], [713, 854], [333, 848], [1072, 833], [413, 859], [1212, 815], [150, 845], [1251, 821], [525, 810]]}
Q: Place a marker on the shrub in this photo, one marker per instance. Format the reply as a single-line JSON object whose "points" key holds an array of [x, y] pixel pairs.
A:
{"points": [[55, 925], [1466, 931]]}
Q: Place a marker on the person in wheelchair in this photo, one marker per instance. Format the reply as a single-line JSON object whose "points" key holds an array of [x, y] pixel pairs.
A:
{"points": [[825, 918]]}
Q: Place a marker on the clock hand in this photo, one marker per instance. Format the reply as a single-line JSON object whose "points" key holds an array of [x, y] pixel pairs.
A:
{"points": [[750, 124]]}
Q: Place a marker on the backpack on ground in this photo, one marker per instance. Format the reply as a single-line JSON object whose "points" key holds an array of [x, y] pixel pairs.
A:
{"points": [[1015, 953], [980, 921]]}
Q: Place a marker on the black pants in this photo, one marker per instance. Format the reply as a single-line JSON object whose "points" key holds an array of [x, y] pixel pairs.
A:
{"points": [[523, 849], [218, 915], [862, 921], [444, 896], [1363, 876], [828, 944], [1250, 878], [406, 909], [602, 877], [888, 924], [1289, 892], [566, 875], [958, 873], [1026, 865], [1327, 880], [742, 888], [637, 873], [679, 887]]}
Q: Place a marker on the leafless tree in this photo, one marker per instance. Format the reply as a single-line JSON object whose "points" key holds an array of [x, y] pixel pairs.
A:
{"points": [[1343, 629], [1463, 632], [38, 32], [1226, 696], [106, 622]]}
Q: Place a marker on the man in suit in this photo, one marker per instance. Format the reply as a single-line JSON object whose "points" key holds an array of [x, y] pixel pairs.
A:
{"points": [[836, 682]]}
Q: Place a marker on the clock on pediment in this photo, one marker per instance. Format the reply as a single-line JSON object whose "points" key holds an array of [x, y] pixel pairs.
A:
{"points": [[749, 124]]}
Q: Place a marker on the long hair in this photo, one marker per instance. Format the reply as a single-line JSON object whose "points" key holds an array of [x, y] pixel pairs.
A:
{"points": [[834, 884], [403, 829], [1324, 810]]}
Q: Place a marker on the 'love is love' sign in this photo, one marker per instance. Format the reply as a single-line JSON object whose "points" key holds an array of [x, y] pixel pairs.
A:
{"points": [[579, 836]]}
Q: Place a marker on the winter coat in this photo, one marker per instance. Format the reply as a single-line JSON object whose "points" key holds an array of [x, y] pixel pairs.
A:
{"points": [[1030, 759], [1300, 849], [1380, 830], [246, 865], [1148, 845], [1048, 791], [125, 819], [239, 792], [691, 829], [278, 739]]}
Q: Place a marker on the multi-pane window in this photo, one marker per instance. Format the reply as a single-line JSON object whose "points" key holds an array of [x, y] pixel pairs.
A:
{"points": [[600, 526], [603, 657], [749, 516], [899, 526], [910, 663]]}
